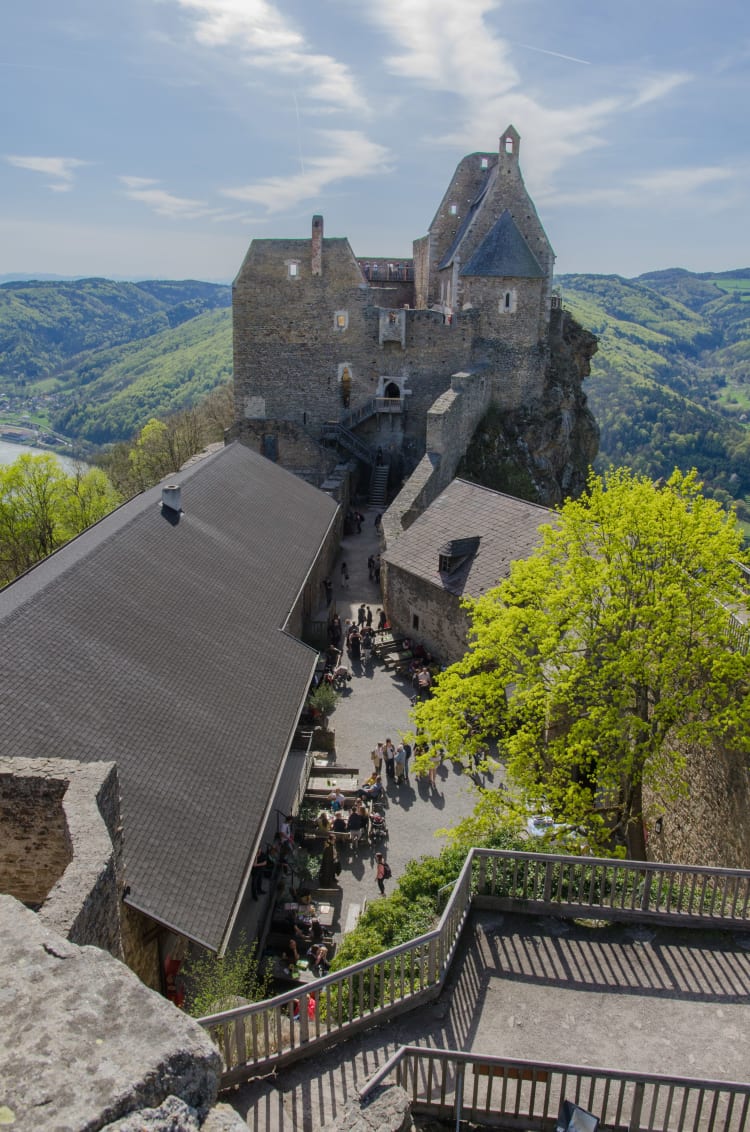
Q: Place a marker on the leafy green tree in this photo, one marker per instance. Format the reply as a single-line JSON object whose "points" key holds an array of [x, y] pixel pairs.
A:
{"points": [[42, 507], [215, 982], [602, 654]]}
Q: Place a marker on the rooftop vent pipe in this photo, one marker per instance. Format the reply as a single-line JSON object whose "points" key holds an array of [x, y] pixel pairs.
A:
{"points": [[170, 497]]}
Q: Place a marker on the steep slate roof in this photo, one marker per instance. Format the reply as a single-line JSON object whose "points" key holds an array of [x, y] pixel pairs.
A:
{"points": [[508, 529], [161, 645], [504, 252], [447, 259]]}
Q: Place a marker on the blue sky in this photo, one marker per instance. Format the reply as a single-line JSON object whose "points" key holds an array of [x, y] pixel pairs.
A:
{"points": [[156, 138]]}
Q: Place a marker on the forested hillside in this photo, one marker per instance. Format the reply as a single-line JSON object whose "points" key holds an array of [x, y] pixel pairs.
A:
{"points": [[670, 385], [90, 361]]}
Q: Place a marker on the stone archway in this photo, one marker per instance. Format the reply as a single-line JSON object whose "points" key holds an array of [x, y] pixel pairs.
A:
{"points": [[391, 389]]}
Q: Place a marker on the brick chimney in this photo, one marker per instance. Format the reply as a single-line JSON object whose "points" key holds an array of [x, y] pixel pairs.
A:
{"points": [[317, 245]]}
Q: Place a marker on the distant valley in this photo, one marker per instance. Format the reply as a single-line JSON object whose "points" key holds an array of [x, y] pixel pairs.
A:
{"points": [[88, 362]]}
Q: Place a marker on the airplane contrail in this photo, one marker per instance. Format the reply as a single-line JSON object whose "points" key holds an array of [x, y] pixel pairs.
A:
{"points": [[556, 54]]}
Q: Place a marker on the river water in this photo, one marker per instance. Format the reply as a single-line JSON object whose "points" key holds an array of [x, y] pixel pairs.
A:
{"points": [[9, 451]]}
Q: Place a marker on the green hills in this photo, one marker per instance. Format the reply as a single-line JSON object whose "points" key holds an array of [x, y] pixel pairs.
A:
{"points": [[670, 384], [90, 360]]}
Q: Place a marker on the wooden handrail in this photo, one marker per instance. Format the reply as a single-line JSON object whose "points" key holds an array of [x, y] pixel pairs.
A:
{"points": [[529, 1094], [263, 1035]]}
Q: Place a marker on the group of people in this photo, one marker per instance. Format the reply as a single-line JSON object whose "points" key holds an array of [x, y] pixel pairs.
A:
{"points": [[315, 943], [358, 820], [395, 757]]}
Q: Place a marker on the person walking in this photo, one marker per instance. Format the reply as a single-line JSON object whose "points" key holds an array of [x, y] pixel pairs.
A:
{"points": [[382, 872], [376, 757], [390, 753], [344, 576]]}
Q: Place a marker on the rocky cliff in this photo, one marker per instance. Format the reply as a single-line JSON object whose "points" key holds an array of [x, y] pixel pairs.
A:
{"points": [[542, 452]]}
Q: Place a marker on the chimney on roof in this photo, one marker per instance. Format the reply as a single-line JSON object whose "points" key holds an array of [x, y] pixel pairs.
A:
{"points": [[170, 497], [317, 245]]}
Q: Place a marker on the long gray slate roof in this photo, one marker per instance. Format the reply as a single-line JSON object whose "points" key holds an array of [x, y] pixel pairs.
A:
{"points": [[508, 528], [504, 252], [162, 646]]}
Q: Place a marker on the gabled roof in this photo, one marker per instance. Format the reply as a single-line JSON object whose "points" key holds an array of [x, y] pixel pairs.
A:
{"points": [[161, 645], [447, 259], [507, 529], [504, 252]]}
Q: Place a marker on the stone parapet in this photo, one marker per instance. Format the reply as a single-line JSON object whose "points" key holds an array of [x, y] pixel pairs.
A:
{"points": [[60, 821], [83, 1042]]}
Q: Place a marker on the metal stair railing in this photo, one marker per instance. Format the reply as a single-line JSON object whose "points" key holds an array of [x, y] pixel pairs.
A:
{"points": [[334, 430]]}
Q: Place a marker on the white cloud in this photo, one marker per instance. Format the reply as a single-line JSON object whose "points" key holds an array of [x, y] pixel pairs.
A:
{"points": [[163, 203], [61, 169], [350, 154], [268, 40], [457, 49], [138, 182], [671, 186], [657, 86]]}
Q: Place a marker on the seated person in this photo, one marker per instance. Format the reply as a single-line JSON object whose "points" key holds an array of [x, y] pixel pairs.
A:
{"points": [[336, 798], [371, 790], [291, 954], [324, 821], [317, 953], [339, 823]]}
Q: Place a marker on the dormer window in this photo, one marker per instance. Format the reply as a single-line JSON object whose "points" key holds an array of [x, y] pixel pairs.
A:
{"points": [[508, 144], [456, 553]]}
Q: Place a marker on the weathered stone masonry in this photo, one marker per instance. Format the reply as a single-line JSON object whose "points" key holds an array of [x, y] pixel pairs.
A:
{"points": [[322, 338]]}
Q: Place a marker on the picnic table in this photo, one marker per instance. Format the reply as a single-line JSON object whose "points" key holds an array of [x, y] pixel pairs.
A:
{"points": [[284, 972], [341, 780]]}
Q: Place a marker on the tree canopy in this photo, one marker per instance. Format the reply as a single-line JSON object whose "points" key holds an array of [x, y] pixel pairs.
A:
{"points": [[603, 653], [42, 507]]}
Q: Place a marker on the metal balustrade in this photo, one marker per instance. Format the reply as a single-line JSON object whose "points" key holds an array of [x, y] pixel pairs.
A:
{"points": [[524, 1094], [258, 1037]]}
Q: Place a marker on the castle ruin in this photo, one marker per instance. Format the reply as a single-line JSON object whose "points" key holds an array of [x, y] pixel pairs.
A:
{"points": [[366, 356]]}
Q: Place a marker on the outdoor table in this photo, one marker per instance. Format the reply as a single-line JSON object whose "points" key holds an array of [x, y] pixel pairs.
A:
{"points": [[324, 913], [283, 972]]}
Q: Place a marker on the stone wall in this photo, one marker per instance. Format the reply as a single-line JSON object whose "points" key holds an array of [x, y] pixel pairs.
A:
{"points": [[35, 846], [83, 1042], [443, 625], [709, 824], [450, 424], [84, 900]]}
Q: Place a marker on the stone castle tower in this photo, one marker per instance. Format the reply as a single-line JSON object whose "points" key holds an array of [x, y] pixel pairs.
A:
{"points": [[333, 352]]}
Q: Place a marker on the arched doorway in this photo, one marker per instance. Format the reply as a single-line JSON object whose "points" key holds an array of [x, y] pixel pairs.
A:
{"points": [[391, 390]]}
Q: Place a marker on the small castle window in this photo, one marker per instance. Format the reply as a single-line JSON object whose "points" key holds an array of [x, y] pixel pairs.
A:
{"points": [[293, 269], [508, 145], [415, 621], [341, 320], [453, 209], [508, 302], [485, 163]]}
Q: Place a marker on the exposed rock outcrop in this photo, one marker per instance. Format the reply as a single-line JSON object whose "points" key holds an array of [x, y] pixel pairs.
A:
{"points": [[543, 450], [83, 1042]]}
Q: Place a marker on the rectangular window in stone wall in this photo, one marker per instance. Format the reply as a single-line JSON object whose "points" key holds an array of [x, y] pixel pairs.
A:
{"points": [[292, 267], [341, 320]]}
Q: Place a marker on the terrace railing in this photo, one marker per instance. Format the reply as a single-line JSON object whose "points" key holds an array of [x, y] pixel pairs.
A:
{"points": [[528, 1095], [258, 1037]]}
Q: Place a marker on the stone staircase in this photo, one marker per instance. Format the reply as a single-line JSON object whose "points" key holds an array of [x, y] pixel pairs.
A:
{"points": [[379, 486]]}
